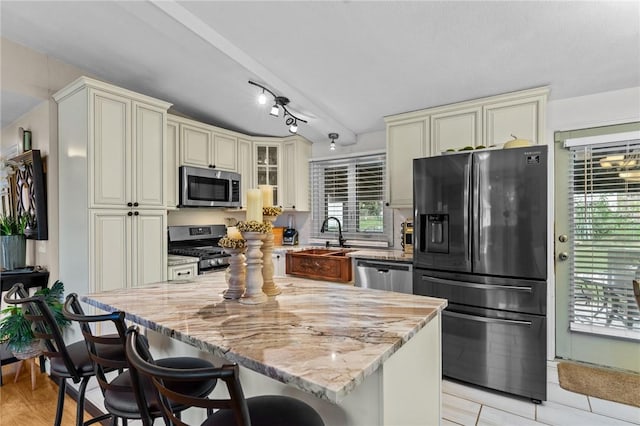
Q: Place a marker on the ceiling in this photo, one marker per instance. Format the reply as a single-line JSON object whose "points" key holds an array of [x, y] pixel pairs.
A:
{"points": [[344, 65]]}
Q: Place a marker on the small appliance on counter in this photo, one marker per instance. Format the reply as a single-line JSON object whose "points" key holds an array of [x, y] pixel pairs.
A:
{"points": [[407, 236], [290, 235]]}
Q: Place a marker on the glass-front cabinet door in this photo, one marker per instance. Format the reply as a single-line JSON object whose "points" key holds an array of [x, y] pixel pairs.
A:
{"points": [[267, 167]]}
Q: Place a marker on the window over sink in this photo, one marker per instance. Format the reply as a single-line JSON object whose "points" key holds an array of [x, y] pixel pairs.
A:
{"points": [[351, 190]]}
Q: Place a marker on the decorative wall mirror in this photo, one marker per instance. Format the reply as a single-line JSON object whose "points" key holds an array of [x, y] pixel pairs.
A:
{"points": [[28, 194]]}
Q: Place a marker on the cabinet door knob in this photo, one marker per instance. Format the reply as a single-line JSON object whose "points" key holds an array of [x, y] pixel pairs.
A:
{"points": [[135, 204], [213, 166], [136, 213], [130, 204], [129, 214]]}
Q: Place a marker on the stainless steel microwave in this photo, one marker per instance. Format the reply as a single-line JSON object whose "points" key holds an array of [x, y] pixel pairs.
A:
{"points": [[200, 187]]}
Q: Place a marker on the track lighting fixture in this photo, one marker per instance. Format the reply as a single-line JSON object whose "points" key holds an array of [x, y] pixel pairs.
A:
{"points": [[279, 102], [333, 137]]}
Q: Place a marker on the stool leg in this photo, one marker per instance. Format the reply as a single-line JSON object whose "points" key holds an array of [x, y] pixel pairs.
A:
{"points": [[18, 370], [80, 406], [32, 361], [60, 405]]}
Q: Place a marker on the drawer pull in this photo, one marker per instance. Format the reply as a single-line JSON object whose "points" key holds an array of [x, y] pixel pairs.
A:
{"points": [[184, 273]]}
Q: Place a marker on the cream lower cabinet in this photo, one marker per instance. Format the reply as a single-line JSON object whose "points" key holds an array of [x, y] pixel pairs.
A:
{"points": [[128, 248], [279, 264], [406, 140], [182, 272]]}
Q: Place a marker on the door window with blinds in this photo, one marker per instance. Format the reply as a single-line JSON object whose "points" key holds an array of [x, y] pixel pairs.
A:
{"points": [[352, 191], [604, 217]]}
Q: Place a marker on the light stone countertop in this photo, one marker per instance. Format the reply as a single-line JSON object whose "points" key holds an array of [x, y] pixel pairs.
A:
{"points": [[320, 337]]}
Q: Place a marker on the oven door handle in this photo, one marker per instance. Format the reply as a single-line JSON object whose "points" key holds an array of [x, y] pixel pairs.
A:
{"points": [[485, 319], [477, 285]]}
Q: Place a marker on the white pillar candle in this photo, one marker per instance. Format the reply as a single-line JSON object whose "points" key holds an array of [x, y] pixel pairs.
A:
{"points": [[233, 233], [254, 205], [267, 195]]}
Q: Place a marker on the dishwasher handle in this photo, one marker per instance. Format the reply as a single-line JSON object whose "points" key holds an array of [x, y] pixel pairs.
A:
{"points": [[385, 266]]}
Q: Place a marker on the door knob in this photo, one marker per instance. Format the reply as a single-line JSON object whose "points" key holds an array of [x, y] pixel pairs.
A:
{"points": [[563, 255], [563, 238]]}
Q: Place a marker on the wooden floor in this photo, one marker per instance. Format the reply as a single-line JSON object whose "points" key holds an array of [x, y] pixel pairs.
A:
{"points": [[19, 405]]}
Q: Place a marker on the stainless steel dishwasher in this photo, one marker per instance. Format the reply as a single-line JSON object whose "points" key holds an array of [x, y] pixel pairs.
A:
{"points": [[384, 275]]}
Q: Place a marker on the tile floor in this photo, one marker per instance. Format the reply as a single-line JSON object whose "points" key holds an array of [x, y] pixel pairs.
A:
{"points": [[465, 405]]}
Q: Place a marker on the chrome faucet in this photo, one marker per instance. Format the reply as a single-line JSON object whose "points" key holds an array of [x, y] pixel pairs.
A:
{"points": [[323, 228]]}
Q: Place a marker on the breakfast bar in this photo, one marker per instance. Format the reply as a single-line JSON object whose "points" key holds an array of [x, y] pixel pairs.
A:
{"points": [[358, 356]]}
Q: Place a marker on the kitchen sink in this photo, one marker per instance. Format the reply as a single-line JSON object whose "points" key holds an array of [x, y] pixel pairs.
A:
{"points": [[321, 264]]}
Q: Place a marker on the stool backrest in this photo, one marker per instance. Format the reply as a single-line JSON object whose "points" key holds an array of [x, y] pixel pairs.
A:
{"points": [[45, 327], [102, 364], [165, 380]]}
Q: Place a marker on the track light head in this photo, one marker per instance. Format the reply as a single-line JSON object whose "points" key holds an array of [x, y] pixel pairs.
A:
{"points": [[279, 102]]}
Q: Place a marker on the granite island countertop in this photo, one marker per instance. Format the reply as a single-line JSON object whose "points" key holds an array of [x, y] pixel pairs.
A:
{"points": [[320, 337]]}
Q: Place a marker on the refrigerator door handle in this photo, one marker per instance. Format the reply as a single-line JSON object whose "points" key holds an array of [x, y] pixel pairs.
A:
{"points": [[476, 213], [485, 319], [478, 285]]}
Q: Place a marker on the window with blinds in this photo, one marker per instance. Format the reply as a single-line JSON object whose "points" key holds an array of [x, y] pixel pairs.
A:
{"points": [[604, 217], [352, 191]]}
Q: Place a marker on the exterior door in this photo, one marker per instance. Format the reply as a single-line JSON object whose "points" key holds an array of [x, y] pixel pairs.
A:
{"points": [[580, 346]]}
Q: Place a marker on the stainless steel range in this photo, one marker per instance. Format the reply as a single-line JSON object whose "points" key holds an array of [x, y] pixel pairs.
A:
{"points": [[200, 241]]}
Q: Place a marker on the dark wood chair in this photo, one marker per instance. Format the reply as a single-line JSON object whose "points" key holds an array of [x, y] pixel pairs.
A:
{"points": [[235, 411], [66, 361], [123, 398]]}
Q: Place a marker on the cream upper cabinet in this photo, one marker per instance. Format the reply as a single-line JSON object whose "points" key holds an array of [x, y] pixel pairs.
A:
{"points": [[171, 171], [406, 140], [523, 118], [127, 153], [202, 145], [456, 129], [295, 173], [111, 186], [267, 166], [245, 167], [479, 122]]}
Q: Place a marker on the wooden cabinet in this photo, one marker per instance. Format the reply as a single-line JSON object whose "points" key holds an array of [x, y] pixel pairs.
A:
{"points": [[111, 185], [267, 166], [481, 122], [171, 169], [126, 151], [202, 146], [524, 118], [182, 272], [456, 129], [128, 248], [245, 167], [295, 173], [406, 140]]}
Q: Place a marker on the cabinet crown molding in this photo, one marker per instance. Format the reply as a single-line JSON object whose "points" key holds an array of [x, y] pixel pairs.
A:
{"points": [[510, 96], [82, 82]]}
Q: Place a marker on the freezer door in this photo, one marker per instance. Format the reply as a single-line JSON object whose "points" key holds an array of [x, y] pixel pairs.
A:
{"points": [[507, 294], [499, 350], [510, 212], [441, 212]]}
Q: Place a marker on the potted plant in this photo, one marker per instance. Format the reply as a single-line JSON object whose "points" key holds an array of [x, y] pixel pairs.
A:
{"points": [[16, 331], [13, 241]]}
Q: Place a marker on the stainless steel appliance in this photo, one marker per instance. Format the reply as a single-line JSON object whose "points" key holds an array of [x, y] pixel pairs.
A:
{"points": [[200, 241], [200, 187], [384, 275], [480, 230], [407, 236], [290, 234]]}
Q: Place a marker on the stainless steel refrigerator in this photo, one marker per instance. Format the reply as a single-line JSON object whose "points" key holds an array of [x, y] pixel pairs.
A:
{"points": [[480, 241]]}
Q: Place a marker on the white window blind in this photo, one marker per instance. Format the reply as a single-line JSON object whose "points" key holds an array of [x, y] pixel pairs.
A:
{"points": [[351, 190], [604, 216]]}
